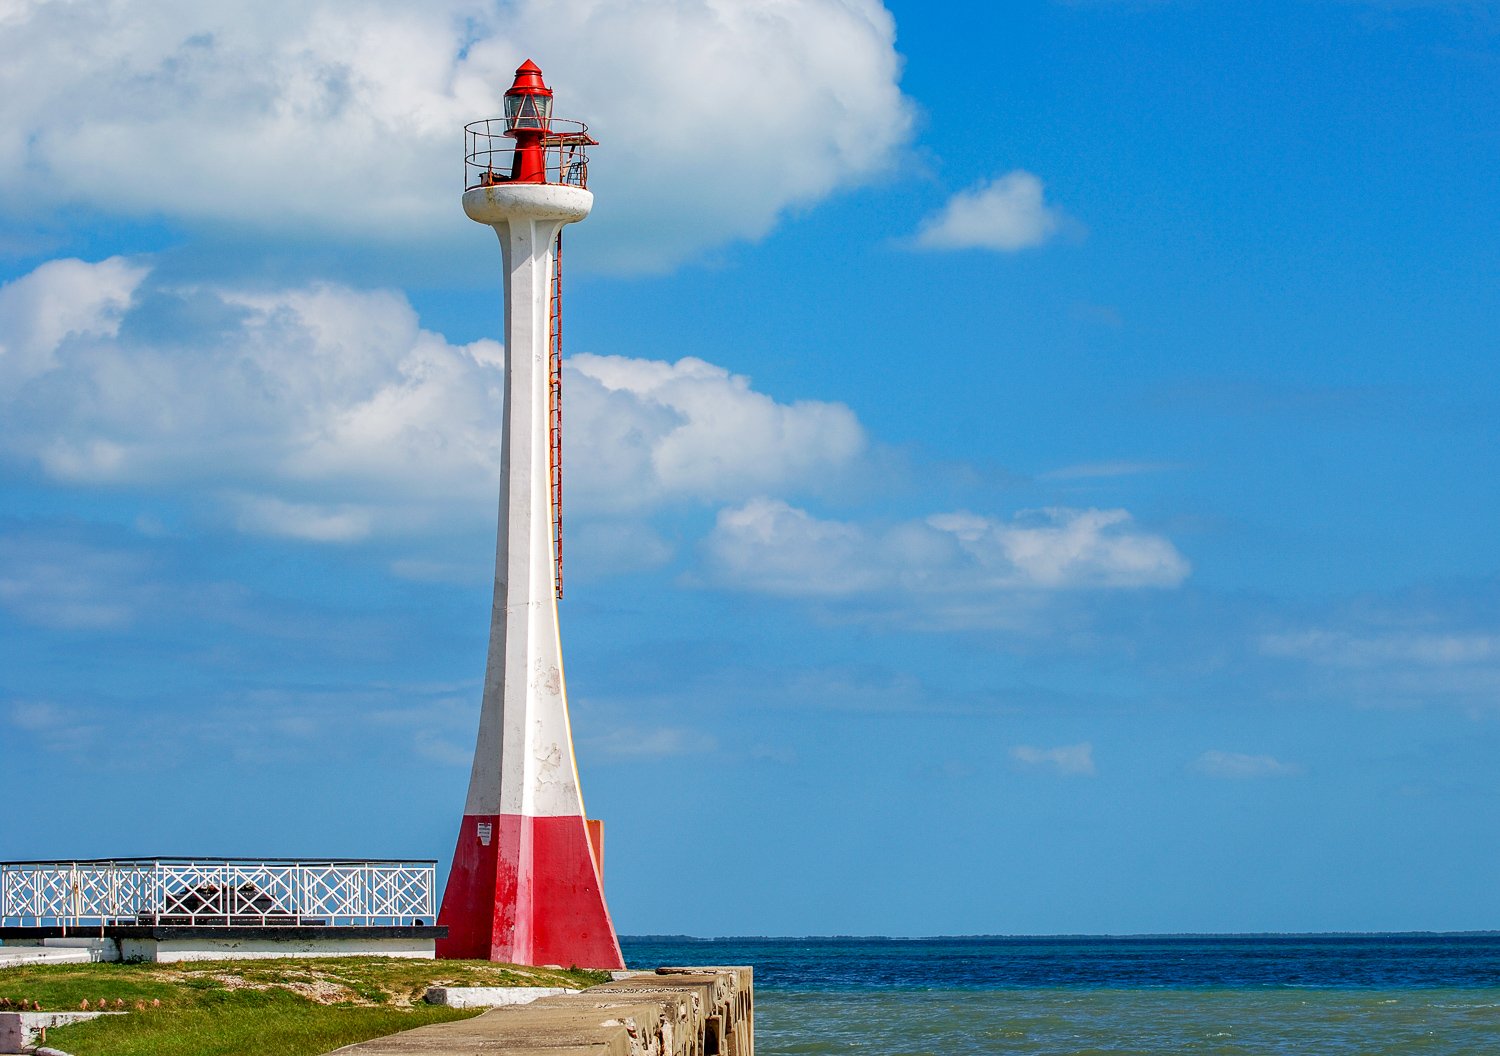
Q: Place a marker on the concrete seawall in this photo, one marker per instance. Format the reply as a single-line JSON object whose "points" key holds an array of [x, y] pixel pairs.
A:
{"points": [[668, 1012], [22, 1031]]}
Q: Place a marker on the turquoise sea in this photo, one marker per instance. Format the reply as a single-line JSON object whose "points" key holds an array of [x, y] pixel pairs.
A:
{"points": [[1373, 995]]}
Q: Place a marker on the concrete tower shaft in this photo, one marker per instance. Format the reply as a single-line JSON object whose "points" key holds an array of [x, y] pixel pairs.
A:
{"points": [[527, 730]]}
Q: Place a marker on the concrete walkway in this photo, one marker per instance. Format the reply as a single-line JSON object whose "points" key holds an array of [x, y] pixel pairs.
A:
{"points": [[670, 1012]]}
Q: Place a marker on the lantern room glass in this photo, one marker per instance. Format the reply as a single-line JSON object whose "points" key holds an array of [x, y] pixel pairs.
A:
{"points": [[528, 111]]}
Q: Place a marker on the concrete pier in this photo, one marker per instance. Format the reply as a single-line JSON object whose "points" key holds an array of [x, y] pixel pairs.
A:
{"points": [[668, 1012]]}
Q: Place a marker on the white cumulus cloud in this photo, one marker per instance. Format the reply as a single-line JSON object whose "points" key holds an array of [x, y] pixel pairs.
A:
{"points": [[345, 116], [328, 413], [1069, 760], [270, 394], [770, 546], [1008, 213], [59, 301], [656, 430]]}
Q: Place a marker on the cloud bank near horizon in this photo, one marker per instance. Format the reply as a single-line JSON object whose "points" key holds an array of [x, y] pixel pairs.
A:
{"points": [[328, 414]]}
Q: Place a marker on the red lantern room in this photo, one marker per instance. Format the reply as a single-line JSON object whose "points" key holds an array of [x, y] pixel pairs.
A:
{"points": [[528, 103], [528, 115], [528, 145]]}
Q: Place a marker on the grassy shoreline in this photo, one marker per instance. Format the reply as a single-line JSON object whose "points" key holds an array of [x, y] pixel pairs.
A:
{"points": [[295, 1006]]}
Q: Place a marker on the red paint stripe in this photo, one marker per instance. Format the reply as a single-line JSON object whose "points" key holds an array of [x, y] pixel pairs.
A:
{"points": [[532, 896]]}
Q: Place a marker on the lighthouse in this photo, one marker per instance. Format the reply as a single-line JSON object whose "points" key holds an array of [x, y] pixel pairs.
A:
{"points": [[526, 884]]}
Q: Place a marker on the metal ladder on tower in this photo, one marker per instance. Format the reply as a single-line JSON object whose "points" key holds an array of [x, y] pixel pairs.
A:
{"points": [[554, 412]]}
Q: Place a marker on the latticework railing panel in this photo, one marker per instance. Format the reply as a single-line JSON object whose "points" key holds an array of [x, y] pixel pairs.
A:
{"points": [[216, 892]]}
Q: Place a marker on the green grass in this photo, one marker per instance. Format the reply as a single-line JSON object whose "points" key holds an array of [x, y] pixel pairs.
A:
{"points": [[260, 1022], [282, 1007]]}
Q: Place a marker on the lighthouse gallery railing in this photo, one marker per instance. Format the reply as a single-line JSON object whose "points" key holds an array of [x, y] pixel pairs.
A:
{"points": [[489, 152], [205, 892]]}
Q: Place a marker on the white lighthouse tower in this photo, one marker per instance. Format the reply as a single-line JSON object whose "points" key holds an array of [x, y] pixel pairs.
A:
{"points": [[526, 883]]}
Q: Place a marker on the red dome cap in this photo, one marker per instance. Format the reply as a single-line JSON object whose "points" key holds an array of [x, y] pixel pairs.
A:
{"points": [[529, 80]]}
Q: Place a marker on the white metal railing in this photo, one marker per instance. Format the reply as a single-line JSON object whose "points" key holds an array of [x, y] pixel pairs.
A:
{"points": [[205, 892]]}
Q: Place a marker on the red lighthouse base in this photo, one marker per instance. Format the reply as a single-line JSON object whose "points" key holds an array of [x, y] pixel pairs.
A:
{"points": [[526, 890]]}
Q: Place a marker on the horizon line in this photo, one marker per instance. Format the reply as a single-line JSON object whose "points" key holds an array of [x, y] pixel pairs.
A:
{"points": [[1475, 933]]}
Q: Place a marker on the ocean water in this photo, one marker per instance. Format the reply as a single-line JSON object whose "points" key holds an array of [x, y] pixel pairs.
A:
{"points": [[1371, 995]]}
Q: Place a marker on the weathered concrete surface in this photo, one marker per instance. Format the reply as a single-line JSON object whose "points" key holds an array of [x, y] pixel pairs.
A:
{"points": [[98, 949], [515, 1030], [14, 955], [491, 996], [723, 1004], [164, 943], [206, 949], [20, 1031], [669, 1012]]}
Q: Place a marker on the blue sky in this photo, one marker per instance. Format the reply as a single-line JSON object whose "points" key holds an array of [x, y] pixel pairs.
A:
{"points": [[1030, 466]]}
